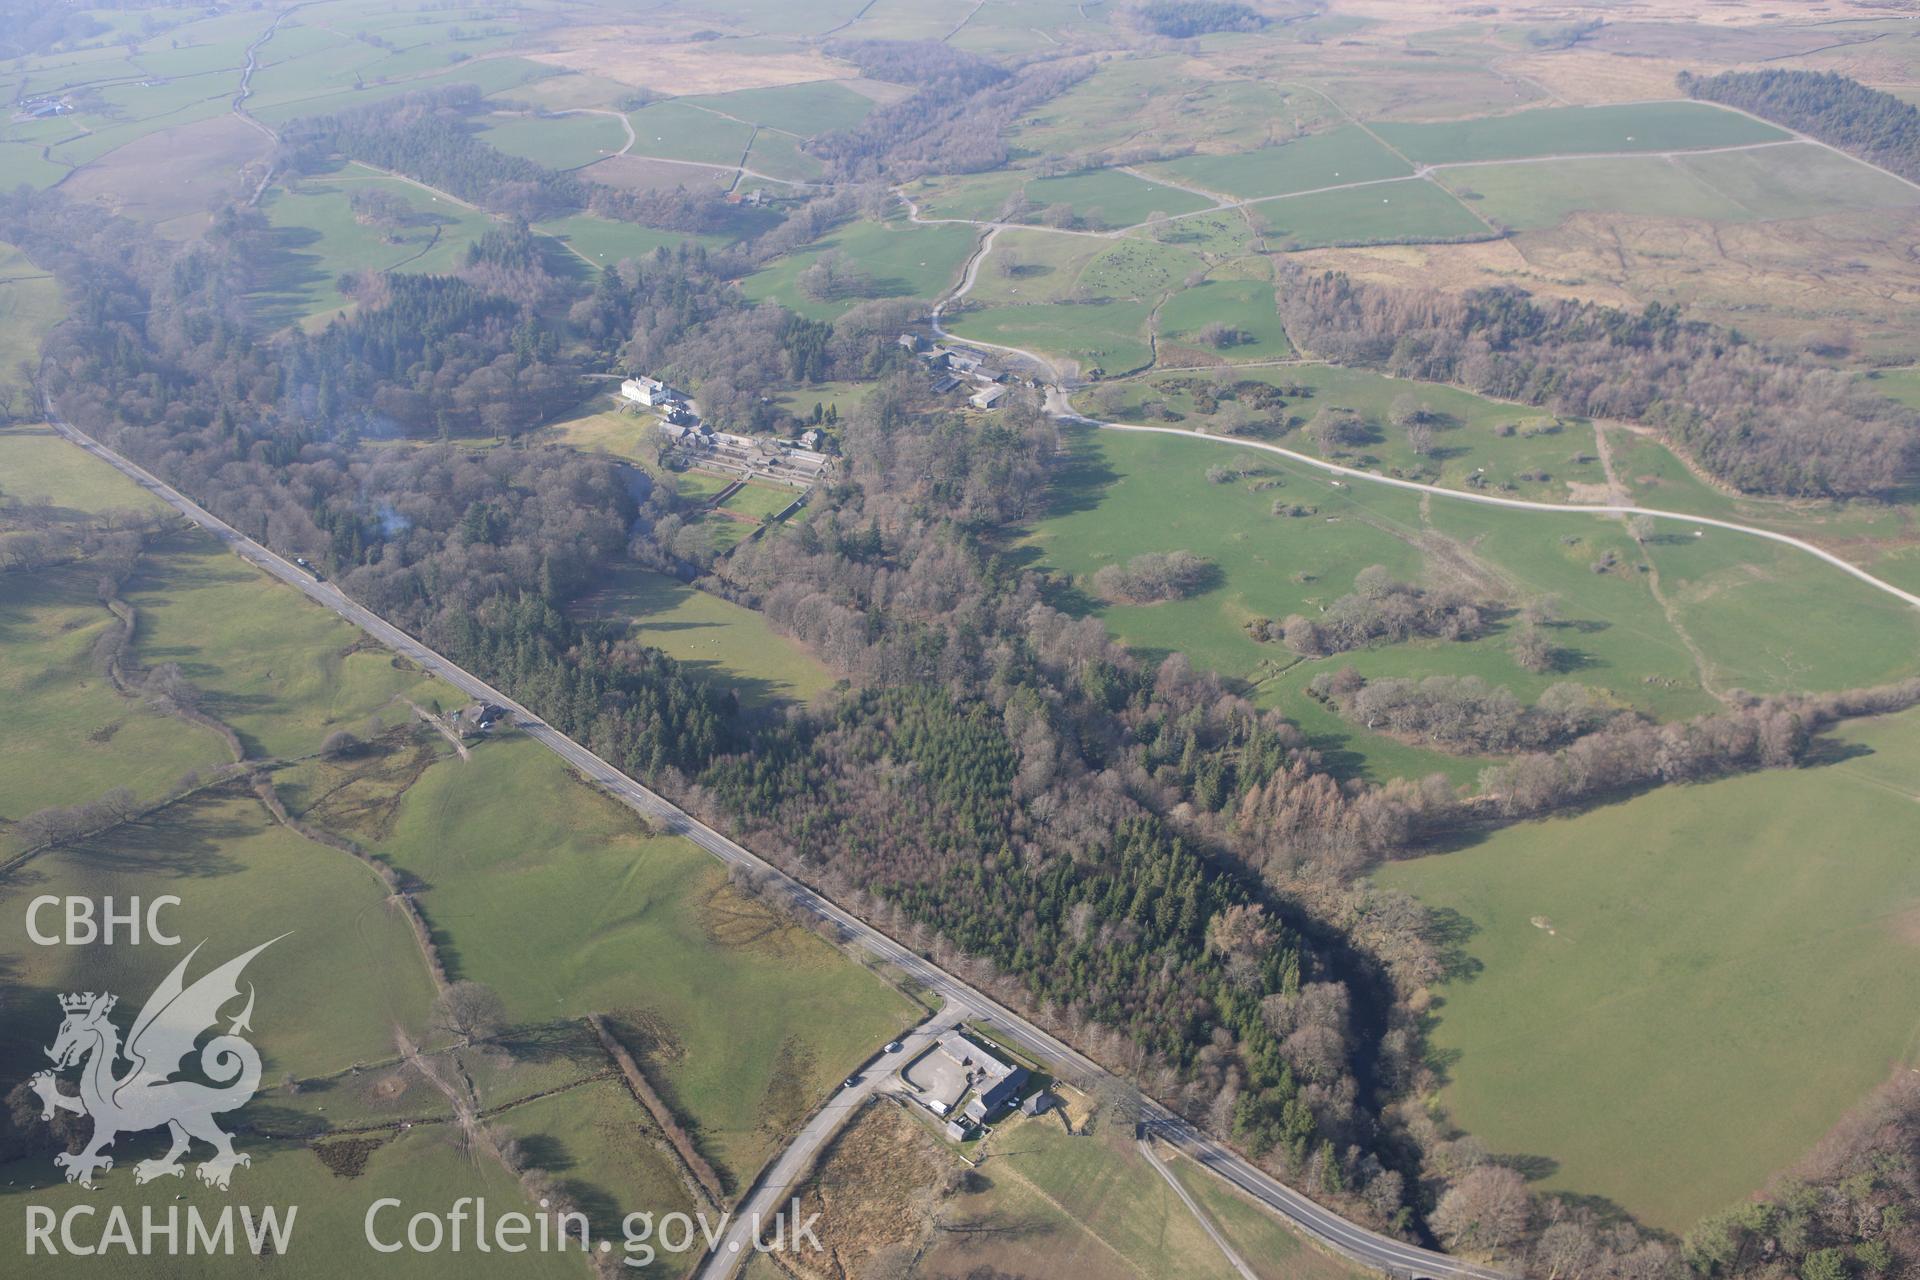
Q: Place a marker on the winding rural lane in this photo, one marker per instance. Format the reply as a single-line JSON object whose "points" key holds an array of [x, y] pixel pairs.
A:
{"points": [[1059, 407], [961, 1001]]}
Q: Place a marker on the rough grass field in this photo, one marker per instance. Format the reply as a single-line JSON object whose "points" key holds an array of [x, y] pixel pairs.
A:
{"points": [[1410, 210], [1547, 131], [1341, 155], [727, 644], [1667, 999], [555, 898]]}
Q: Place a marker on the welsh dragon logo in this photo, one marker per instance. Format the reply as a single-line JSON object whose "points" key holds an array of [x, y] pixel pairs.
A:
{"points": [[146, 1096]]}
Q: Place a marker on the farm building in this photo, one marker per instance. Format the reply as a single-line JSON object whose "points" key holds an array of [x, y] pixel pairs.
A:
{"points": [[986, 397], [958, 1065]]}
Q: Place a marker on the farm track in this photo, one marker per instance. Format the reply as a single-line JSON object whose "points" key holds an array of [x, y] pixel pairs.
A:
{"points": [[961, 1001], [1060, 407]]}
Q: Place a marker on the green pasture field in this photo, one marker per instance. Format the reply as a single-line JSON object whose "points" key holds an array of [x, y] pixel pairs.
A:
{"points": [[283, 672], [1798, 180], [1548, 131], [605, 1153], [560, 902], [22, 162], [899, 20], [37, 465], [615, 431], [778, 155], [319, 237], [901, 259], [976, 196], [1224, 233], [1086, 1210], [1408, 211], [1107, 335], [1670, 998], [722, 534], [1765, 614], [700, 487], [424, 1167], [1752, 613], [331, 990], [1037, 266], [802, 109], [1009, 27], [1875, 535], [301, 89], [30, 305], [1245, 305], [673, 130], [718, 640], [1340, 155], [72, 736], [1265, 1243], [138, 112], [1464, 426], [604, 242], [1530, 195], [1110, 198], [843, 396], [558, 141], [761, 501], [1897, 384], [1134, 269], [1128, 98]]}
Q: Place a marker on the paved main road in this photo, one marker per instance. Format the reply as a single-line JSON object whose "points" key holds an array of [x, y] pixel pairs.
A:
{"points": [[962, 1002]]}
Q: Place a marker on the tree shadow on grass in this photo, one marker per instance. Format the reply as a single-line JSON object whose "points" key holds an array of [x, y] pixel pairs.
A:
{"points": [[1080, 479], [546, 1153], [1449, 931], [1532, 1168]]}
